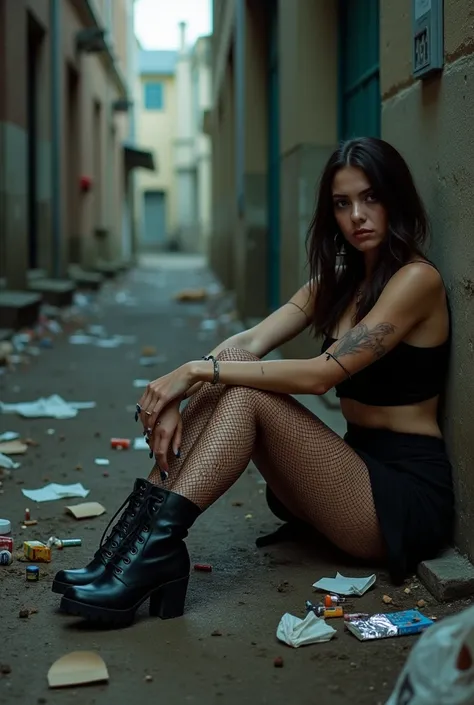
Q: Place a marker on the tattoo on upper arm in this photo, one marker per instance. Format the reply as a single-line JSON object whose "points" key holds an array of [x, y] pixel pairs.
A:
{"points": [[361, 338]]}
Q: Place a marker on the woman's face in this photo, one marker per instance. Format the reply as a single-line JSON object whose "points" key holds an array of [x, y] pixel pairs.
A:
{"points": [[361, 218]]}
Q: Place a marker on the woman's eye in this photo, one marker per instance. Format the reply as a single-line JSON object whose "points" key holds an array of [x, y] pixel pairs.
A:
{"points": [[371, 198], [341, 204]]}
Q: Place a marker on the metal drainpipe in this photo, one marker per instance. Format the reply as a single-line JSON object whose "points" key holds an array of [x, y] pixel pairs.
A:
{"points": [[56, 134]]}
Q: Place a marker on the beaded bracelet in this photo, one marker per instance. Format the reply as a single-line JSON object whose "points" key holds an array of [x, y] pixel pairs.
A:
{"points": [[215, 362]]}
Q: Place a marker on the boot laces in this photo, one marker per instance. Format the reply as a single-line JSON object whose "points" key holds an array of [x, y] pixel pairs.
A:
{"points": [[122, 524], [142, 525]]}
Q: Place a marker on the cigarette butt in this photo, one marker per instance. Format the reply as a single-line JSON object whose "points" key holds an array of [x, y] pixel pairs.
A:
{"points": [[203, 567], [30, 522]]}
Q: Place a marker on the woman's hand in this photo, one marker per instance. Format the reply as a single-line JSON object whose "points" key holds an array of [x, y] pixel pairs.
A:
{"points": [[161, 392], [168, 430]]}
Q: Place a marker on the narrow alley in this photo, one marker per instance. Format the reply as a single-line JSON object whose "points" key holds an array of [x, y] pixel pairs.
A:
{"points": [[223, 649]]}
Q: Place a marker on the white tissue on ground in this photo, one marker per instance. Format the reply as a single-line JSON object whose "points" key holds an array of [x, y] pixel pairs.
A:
{"points": [[345, 586], [299, 632]]}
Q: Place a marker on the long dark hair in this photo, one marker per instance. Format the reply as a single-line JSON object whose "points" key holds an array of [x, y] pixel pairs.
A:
{"points": [[408, 229]]}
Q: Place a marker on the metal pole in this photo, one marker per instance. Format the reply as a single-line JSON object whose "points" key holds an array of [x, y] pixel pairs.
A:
{"points": [[56, 135]]}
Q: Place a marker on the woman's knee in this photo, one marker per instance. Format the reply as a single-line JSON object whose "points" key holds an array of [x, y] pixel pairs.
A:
{"points": [[236, 355]]}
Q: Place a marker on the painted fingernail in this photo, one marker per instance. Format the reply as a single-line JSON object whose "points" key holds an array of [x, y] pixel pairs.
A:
{"points": [[136, 416], [150, 455], [178, 453], [147, 440], [138, 408], [164, 475], [144, 433]]}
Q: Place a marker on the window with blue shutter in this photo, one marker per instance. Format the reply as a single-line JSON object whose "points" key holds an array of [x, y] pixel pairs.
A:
{"points": [[154, 95]]}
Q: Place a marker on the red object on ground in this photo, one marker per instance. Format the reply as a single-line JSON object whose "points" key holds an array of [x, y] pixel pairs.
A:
{"points": [[6, 543], [27, 515], [123, 443], [203, 567]]}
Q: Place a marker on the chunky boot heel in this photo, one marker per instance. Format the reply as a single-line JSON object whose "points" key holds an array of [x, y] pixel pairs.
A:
{"points": [[168, 601], [108, 547], [152, 563]]}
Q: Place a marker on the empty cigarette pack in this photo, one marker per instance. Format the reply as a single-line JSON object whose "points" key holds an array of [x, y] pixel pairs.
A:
{"points": [[37, 551]]}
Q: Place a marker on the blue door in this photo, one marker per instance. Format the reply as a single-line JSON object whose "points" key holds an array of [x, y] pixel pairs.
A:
{"points": [[359, 64], [154, 217], [273, 268]]}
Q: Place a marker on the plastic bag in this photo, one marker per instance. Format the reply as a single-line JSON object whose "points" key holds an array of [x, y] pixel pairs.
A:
{"points": [[440, 668]]}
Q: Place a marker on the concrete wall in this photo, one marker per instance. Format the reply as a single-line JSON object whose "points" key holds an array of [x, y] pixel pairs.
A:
{"points": [[155, 131], [432, 124], [308, 132]]}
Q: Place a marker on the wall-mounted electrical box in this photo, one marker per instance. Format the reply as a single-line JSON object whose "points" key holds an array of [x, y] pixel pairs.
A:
{"points": [[427, 37]]}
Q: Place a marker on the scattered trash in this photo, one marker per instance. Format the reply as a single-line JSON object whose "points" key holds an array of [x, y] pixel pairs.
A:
{"points": [[439, 667], [140, 443], [77, 668], [24, 613], [8, 463], [49, 407], [382, 626], [6, 557], [148, 679], [249, 516], [120, 443], [32, 573], [298, 632], [237, 504], [407, 591], [6, 543], [216, 632], [203, 567], [148, 351], [421, 604], [140, 383], [387, 599], [191, 295], [53, 541], [55, 491], [9, 436], [102, 461], [13, 448], [37, 551], [323, 611], [278, 662], [29, 522], [331, 600], [86, 510], [345, 586]]}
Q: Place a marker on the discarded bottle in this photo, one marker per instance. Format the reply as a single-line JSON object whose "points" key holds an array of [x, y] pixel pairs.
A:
{"points": [[440, 666], [32, 573], [6, 557]]}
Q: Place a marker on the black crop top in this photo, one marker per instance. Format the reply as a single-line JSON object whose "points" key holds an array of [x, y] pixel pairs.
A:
{"points": [[405, 375]]}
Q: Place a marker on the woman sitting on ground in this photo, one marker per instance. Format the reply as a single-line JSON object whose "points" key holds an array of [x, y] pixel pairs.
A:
{"points": [[384, 492]]}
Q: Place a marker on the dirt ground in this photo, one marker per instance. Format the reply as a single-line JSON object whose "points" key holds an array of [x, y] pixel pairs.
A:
{"points": [[223, 649]]}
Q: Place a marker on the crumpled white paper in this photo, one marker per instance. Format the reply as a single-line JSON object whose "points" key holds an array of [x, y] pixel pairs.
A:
{"points": [[55, 491], [140, 443], [345, 586], [298, 632], [53, 407]]}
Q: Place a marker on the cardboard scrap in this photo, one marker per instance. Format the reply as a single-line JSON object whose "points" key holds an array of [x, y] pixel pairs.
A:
{"points": [[85, 510], [77, 668], [13, 448]]}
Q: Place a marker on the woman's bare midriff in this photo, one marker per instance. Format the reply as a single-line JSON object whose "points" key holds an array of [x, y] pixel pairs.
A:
{"points": [[415, 418]]}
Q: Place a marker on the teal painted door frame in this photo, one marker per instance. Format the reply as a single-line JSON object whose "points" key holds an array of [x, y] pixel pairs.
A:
{"points": [[359, 69], [273, 256]]}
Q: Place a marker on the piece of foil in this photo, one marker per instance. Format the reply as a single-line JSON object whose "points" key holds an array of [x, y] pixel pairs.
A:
{"points": [[378, 626]]}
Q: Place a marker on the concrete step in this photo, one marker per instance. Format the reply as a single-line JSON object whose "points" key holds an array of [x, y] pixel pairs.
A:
{"points": [[19, 309], [84, 279], [109, 269], [56, 292], [34, 274]]}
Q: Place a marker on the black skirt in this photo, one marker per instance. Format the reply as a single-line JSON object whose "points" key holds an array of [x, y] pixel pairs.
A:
{"points": [[411, 478]]}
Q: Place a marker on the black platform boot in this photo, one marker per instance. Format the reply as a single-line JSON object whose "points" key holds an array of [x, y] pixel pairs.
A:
{"points": [[107, 549], [152, 563]]}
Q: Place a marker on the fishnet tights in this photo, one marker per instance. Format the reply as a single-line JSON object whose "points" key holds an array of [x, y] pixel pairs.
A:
{"points": [[316, 475]]}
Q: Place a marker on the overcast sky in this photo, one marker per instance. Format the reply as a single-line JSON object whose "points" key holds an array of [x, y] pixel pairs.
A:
{"points": [[156, 21]]}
